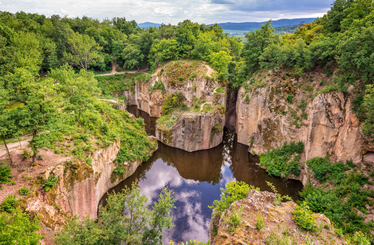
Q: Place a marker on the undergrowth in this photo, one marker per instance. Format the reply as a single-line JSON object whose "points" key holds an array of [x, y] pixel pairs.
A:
{"points": [[282, 161], [340, 195], [116, 83]]}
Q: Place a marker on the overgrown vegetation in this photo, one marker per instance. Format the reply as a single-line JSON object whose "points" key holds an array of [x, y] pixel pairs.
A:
{"points": [[232, 192], [304, 217], [108, 85], [50, 183], [136, 224], [340, 195], [282, 161]]}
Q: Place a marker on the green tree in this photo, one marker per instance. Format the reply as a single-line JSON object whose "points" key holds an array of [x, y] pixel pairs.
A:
{"points": [[132, 56], [39, 103], [368, 126], [126, 218], [77, 88], [220, 62], [18, 228], [163, 50], [257, 41], [83, 51]]}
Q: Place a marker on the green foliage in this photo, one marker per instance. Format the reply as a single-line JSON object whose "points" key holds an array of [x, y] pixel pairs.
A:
{"points": [[18, 228], [26, 153], [50, 183], [9, 203], [173, 102], [24, 191], [5, 174], [284, 160], [234, 218], [289, 98], [279, 197], [136, 224], [305, 218], [260, 223], [220, 90], [192, 242], [158, 86], [340, 202], [359, 238], [233, 191], [115, 83]]}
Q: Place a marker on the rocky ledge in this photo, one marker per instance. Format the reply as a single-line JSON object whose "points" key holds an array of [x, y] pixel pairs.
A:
{"points": [[279, 226]]}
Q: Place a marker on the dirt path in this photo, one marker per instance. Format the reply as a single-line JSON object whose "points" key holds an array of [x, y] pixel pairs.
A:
{"points": [[114, 67]]}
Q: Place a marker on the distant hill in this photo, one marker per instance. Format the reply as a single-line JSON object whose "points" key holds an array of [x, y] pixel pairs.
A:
{"points": [[249, 26], [148, 24]]}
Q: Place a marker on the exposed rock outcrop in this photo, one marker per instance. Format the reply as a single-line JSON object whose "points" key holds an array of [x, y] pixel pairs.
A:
{"points": [[193, 130], [79, 188], [278, 224], [330, 126]]}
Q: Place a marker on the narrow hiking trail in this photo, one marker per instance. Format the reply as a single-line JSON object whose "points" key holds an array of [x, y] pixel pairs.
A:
{"points": [[114, 71]]}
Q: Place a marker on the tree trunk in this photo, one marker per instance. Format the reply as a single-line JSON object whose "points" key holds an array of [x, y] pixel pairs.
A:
{"points": [[7, 150]]}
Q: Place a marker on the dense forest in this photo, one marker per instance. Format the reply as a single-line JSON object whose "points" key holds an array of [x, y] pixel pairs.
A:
{"points": [[42, 56]]}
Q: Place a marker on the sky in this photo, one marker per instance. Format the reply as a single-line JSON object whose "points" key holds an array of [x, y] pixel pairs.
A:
{"points": [[174, 11]]}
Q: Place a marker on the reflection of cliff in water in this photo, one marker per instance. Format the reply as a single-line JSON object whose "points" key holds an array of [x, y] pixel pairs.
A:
{"points": [[245, 168], [150, 122], [199, 166], [196, 179]]}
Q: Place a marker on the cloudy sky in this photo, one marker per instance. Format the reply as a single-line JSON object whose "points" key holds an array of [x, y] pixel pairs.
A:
{"points": [[174, 11]]}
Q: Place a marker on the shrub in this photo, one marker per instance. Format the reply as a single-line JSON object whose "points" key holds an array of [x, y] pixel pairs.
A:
{"points": [[24, 191], [359, 238], [233, 191], [279, 197], [26, 154], [260, 223], [305, 218], [5, 174], [320, 167], [329, 89], [50, 183], [220, 90], [173, 102], [284, 160], [289, 98], [234, 219], [9, 203]]}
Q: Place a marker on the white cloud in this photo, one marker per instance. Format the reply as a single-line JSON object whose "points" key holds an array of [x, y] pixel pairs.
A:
{"points": [[173, 11]]}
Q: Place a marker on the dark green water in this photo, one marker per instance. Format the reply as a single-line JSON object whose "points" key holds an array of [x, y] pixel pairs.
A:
{"points": [[196, 179]]}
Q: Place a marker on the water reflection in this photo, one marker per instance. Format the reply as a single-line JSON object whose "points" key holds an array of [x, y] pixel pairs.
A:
{"points": [[196, 179]]}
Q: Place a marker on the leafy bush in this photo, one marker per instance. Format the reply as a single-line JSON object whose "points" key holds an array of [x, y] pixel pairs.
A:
{"points": [[158, 86], [5, 174], [233, 191], [26, 153], [234, 219], [284, 160], [173, 102], [24, 191], [220, 90], [289, 98], [260, 223], [9, 203], [50, 183], [279, 197], [320, 167], [305, 218]]}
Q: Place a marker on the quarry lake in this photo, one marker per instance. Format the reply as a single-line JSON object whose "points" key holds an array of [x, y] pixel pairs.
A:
{"points": [[196, 179]]}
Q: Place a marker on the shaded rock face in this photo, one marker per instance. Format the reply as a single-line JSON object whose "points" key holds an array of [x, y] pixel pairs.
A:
{"points": [[194, 132], [277, 219], [79, 188], [331, 125]]}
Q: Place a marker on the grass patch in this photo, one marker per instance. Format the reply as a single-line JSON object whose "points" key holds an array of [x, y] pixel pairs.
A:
{"points": [[180, 71], [116, 83]]}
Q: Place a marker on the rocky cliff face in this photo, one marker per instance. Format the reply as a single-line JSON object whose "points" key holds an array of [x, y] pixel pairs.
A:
{"points": [[279, 225], [192, 130], [79, 189], [265, 120]]}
